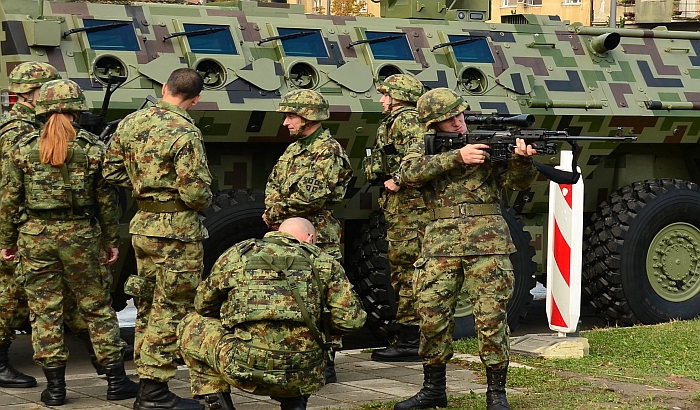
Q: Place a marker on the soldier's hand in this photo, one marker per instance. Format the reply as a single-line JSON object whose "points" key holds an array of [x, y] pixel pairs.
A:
{"points": [[112, 255], [390, 186], [472, 154], [524, 149], [9, 254]]}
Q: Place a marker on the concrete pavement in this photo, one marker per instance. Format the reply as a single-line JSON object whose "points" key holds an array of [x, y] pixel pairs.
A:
{"points": [[360, 381]]}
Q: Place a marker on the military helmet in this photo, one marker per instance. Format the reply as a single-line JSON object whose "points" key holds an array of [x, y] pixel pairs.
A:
{"points": [[438, 105], [29, 76], [402, 87], [308, 104], [60, 96]]}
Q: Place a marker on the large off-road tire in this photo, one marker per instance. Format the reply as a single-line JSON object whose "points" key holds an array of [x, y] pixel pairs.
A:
{"points": [[523, 269], [234, 215], [641, 254], [369, 270]]}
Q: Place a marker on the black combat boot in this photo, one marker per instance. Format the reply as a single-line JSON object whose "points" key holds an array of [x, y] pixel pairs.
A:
{"points": [[9, 376], [119, 387], [219, 401], [329, 371], [404, 350], [496, 389], [127, 352], [292, 403], [155, 395], [55, 392], [433, 394]]}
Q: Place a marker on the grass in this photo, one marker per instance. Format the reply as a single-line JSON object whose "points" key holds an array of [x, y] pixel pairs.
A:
{"points": [[642, 355]]}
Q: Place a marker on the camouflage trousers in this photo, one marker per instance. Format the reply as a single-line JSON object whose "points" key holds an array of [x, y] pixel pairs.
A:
{"points": [[217, 360], [488, 283], [14, 309], [175, 269], [65, 257], [405, 234]]}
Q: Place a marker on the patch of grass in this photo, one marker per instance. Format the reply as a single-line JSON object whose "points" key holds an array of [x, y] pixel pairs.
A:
{"points": [[638, 354]]}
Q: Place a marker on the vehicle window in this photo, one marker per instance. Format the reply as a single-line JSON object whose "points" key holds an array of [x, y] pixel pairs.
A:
{"points": [[216, 42], [311, 45], [477, 51], [396, 48], [121, 38]]}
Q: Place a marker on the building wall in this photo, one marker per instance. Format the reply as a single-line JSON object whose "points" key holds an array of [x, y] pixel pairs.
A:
{"points": [[572, 10]]}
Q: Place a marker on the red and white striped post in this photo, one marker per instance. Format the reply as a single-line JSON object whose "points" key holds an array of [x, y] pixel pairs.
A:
{"points": [[564, 250]]}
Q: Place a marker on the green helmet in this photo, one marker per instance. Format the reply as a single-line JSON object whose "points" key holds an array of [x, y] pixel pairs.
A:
{"points": [[29, 76], [308, 104], [402, 87], [438, 105], [60, 96]]}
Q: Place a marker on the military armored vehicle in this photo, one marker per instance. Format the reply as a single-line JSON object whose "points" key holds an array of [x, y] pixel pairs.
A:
{"points": [[642, 240]]}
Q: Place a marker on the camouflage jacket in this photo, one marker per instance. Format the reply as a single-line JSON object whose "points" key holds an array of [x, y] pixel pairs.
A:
{"points": [[308, 182], [219, 295], [446, 182], [20, 121], [158, 153], [401, 128], [23, 167]]}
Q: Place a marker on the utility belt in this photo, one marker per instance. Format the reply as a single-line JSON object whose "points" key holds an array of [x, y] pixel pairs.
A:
{"points": [[465, 211], [59, 214], [162, 207], [270, 366]]}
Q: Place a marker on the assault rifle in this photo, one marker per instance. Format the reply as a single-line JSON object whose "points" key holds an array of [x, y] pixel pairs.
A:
{"points": [[97, 123], [499, 133]]}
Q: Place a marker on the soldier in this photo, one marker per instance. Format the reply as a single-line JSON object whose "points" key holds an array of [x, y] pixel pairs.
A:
{"points": [[403, 206], [263, 318], [25, 80], [158, 153], [467, 242], [61, 217], [310, 177], [312, 174]]}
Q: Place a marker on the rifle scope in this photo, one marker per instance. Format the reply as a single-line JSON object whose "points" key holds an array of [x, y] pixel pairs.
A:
{"points": [[522, 120]]}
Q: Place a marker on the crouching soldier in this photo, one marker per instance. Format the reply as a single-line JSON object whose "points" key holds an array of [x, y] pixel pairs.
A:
{"points": [[264, 318]]}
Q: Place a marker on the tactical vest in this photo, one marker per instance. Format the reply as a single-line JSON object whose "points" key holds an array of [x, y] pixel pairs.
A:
{"points": [[376, 164], [67, 188]]}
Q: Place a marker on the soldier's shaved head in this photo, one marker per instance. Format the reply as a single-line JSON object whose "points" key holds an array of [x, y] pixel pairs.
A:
{"points": [[185, 83], [302, 229]]}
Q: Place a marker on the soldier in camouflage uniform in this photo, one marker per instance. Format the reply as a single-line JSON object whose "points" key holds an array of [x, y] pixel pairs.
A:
{"points": [[312, 174], [263, 318], [158, 153], [25, 81], [59, 217], [466, 243], [310, 178], [403, 206]]}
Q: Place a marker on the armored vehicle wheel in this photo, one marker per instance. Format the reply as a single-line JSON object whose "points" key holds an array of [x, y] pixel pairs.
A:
{"points": [[234, 215], [641, 253], [369, 270], [523, 270]]}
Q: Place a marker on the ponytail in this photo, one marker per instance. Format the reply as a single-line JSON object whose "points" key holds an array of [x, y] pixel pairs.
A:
{"points": [[53, 145]]}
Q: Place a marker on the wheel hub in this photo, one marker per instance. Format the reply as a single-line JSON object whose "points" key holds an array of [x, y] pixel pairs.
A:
{"points": [[672, 262]]}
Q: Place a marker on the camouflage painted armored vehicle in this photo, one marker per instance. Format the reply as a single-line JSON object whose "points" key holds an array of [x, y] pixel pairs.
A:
{"points": [[642, 242]]}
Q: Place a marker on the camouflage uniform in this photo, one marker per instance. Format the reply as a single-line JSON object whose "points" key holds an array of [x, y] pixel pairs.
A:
{"points": [[404, 210], [311, 176], [473, 250], [158, 153], [61, 233], [249, 331]]}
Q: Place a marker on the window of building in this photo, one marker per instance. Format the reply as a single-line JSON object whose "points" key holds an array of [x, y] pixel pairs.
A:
{"points": [[533, 2], [309, 45], [570, 2], [113, 35], [393, 46], [509, 3], [215, 42]]}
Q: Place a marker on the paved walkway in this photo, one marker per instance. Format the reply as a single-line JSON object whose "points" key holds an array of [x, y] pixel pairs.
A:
{"points": [[360, 381]]}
